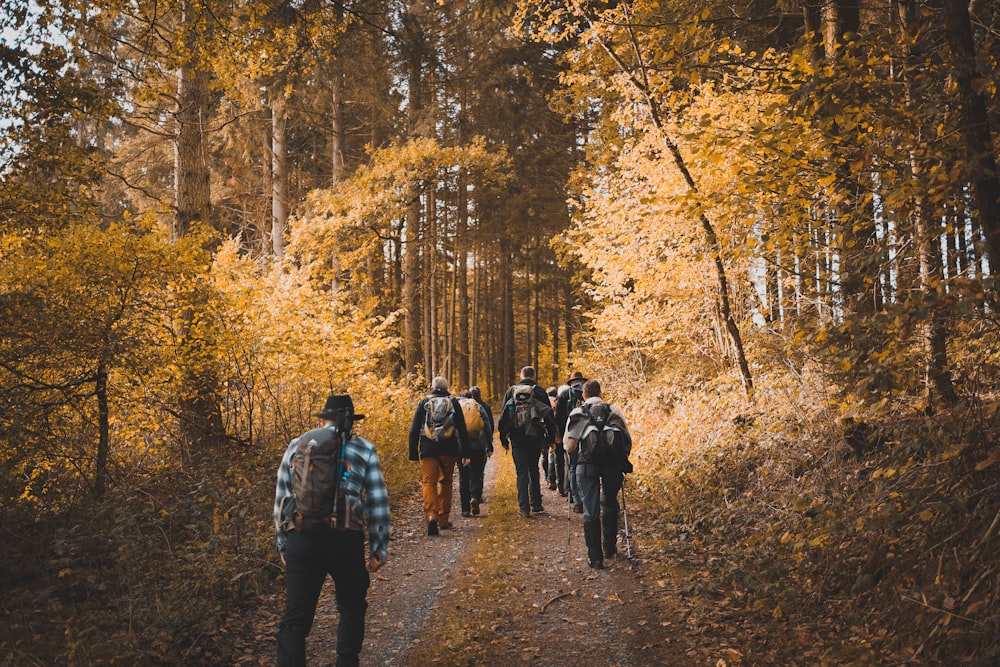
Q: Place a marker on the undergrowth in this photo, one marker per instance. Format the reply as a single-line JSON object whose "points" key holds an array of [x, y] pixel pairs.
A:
{"points": [[856, 536]]}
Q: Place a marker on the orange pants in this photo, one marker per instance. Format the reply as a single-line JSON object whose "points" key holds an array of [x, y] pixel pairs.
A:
{"points": [[436, 481]]}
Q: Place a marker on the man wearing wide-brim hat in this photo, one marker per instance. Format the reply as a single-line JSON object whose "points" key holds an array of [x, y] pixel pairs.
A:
{"points": [[312, 547]]}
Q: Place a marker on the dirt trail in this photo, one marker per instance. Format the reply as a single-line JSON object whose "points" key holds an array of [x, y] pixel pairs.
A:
{"points": [[564, 613]]}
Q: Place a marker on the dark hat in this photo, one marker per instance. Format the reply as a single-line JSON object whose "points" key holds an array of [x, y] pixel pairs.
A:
{"points": [[577, 375], [335, 405]]}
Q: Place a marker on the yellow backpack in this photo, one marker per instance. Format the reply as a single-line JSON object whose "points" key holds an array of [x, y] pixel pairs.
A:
{"points": [[473, 418]]}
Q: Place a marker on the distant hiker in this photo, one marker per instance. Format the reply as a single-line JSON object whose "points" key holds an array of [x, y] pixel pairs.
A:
{"points": [[527, 427], [329, 485], [597, 432], [471, 476], [551, 474], [570, 397], [437, 438]]}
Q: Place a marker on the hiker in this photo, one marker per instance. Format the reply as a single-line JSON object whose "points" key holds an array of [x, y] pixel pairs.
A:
{"points": [[526, 429], [316, 539], [570, 396], [597, 431], [471, 476], [437, 439], [551, 474]]}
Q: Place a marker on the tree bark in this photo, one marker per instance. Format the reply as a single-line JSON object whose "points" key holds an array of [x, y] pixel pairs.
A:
{"points": [[975, 124], [279, 171]]}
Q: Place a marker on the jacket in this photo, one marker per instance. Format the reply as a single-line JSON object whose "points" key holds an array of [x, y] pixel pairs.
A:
{"points": [[364, 486], [508, 435], [421, 447]]}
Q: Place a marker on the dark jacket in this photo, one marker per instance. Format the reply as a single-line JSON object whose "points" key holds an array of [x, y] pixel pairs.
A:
{"points": [[421, 447], [504, 423], [562, 407]]}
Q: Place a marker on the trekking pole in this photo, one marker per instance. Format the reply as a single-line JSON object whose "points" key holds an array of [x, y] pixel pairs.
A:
{"points": [[628, 534]]}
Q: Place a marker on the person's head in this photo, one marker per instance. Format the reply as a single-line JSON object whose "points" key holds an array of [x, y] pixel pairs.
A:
{"points": [[577, 376], [439, 384], [552, 391], [528, 373], [591, 388], [475, 392], [466, 393], [339, 410]]}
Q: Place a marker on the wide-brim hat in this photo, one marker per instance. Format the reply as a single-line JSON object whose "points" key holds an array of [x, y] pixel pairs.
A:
{"points": [[577, 375], [337, 405]]}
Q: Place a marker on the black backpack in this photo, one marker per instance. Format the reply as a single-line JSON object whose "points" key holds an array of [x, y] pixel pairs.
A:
{"points": [[526, 414], [605, 440], [439, 418], [315, 484], [574, 397]]}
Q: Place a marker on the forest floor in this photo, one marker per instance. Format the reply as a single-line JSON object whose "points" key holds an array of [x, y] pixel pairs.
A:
{"points": [[499, 589]]}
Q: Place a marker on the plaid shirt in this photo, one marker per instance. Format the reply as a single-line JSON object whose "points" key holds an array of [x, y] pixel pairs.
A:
{"points": [[366, 480]]}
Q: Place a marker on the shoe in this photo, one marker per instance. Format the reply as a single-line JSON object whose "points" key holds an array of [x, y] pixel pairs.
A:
{"points": [[524, 515], [466, 513], [446, 525], [563, 493], [475, 506], [347, 661], [610, 554], [432, 527], [578, 508], [552, 486], [539, 510], [597, 564]]}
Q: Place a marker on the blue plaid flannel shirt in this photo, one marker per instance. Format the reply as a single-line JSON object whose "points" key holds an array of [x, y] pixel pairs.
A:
{"points": [[363, 463]]}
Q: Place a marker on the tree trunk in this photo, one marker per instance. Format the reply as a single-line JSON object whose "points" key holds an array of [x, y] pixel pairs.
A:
{"points": [[279, 171], [103, 432], [975, 124], [462, 284]]}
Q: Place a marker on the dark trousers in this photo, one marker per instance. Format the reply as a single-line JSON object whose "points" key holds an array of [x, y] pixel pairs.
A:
{"points": [[470, 480], [599, 487], [560, 468], [571, 484], [309, 558], [529, 490]]}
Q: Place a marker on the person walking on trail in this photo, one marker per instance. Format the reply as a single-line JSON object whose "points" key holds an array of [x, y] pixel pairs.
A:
{"points": [[471, 477], [598, 432], [438, 438], [527, 427], [570, 397], [330, 485], [551, 474]]}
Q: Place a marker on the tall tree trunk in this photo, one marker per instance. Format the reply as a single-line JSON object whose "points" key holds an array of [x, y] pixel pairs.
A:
{"points": [[279, 170], [937, 377], [103, 432], [200, 412], [975, 124], [462, 283]]}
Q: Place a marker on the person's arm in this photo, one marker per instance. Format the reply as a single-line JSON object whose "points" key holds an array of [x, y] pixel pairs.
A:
{"points": [[282, 492], [376, 507], [415, 426]]}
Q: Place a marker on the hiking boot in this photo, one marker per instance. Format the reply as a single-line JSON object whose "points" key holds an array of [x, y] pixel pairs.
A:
{"points": [[578, 508], [466, 513], [347, 661], [525, 515], [597, 564], [539, 510], [610, 554], [446, 525], [432, 527], [552, 486], [475, 506]]}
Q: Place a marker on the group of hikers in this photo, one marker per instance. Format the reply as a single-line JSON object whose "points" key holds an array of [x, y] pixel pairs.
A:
{"points": [[330, 486]]}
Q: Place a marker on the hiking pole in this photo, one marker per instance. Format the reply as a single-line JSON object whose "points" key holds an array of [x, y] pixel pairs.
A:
{"points": [[627, 534]]}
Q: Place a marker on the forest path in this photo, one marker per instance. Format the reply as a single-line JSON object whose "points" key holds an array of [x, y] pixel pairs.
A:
{"points": [[539, 603]]}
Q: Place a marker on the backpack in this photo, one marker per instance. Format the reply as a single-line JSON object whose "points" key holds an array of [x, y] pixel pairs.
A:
{"points": [[473, 418], [574, 397], [439, 418], [527, 413], [315, 479], [605, 440]]}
